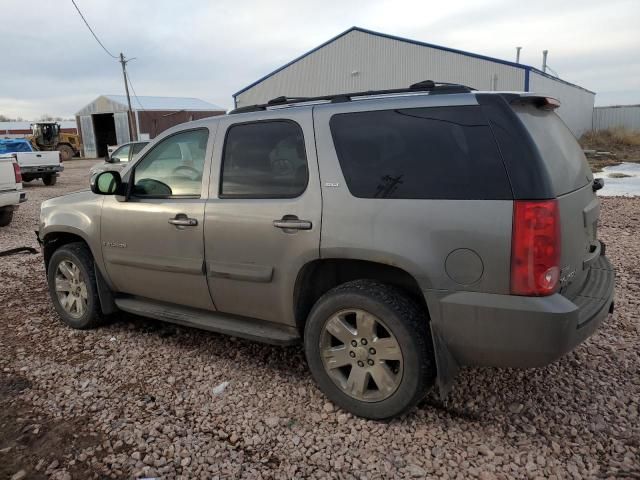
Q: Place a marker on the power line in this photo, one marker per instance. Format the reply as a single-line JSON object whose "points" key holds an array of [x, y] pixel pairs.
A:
{"points": [[134, 92], [553, 71], [92, 32], [123, 61]]}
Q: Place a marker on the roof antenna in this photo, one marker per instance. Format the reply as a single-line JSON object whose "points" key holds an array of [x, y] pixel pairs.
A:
{"points": [[518, 54]]}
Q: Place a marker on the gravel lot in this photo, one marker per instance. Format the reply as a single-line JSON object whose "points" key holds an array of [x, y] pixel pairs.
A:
{"points": [[138, 399]]}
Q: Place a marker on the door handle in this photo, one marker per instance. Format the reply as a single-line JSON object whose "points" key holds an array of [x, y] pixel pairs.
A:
{"points": [[292, 223], [181, 220]]}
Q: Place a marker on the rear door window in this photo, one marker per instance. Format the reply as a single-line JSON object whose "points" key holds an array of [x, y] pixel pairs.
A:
{"points": [[559, 149], [420, 153]]}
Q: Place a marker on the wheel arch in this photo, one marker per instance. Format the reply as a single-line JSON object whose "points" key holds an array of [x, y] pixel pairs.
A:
{"points": [[54, 240], [319, 276]]}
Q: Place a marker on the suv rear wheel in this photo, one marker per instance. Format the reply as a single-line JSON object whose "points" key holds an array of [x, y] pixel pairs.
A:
{"points": [[72, 286], [369, 348]]}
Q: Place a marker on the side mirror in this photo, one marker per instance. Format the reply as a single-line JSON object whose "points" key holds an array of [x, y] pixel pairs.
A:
{"points": [[106, 183]]}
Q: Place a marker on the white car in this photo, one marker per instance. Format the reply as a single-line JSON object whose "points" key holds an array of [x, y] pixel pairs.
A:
{"points": [[120, 156], [11, 194]]}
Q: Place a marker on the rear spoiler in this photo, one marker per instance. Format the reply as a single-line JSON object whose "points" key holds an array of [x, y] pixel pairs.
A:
{"points": [[542, 102]]}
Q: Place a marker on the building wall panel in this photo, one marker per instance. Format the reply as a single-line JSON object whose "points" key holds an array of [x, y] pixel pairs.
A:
{"points": [[360, 61], [619, 116], [155, 122], [576, 104], [88, 136]]}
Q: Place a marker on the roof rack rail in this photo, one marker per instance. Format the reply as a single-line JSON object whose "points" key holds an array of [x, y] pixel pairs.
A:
{"points": [[425, 86]]}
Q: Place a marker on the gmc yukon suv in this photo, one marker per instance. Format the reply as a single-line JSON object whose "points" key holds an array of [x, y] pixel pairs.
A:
{"points": [[398, 235]]}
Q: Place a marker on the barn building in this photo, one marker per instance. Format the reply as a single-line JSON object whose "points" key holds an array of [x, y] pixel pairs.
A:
{"points": [[105, 121], [360, 60]]}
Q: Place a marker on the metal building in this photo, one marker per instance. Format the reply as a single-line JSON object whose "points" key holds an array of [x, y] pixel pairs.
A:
{"points": [[617, 116], [359, 59], [105, 121]]}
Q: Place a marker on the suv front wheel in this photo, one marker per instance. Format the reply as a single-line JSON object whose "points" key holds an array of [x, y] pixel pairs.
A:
{"points": [[369, 348], [72, 286]]}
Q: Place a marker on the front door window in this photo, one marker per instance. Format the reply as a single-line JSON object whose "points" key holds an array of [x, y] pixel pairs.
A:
{"points": [[173, 168]]}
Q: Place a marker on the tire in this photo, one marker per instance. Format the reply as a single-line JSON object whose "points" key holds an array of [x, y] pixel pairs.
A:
{"points": [[26, 178], [399, 324], [50, 179], [90, 314], [66, 152], [6, 215]]}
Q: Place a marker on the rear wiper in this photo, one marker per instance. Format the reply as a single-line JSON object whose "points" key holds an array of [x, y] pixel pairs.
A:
{"points": [[598, 183]]}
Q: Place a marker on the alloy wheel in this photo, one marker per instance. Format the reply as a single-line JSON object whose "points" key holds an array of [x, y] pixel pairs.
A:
{"points": [[361, 355], [71, 288]]}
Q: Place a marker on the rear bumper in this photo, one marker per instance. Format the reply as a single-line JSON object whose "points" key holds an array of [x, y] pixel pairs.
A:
{"points": [[42, 170], [521, 332], [12, 197]]}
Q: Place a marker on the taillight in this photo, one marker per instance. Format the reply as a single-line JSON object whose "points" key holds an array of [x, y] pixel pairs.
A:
{"points": [[60, 157], [535, 248], [17, 173]]}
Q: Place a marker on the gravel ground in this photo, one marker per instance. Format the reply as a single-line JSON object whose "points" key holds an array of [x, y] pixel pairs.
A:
{"points": [[139, 398]]}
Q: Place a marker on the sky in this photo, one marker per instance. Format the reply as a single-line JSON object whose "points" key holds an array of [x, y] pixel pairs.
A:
{"points": [[211, 49]]}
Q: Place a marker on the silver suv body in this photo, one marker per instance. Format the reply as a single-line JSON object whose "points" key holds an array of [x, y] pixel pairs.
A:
{"points": [[398, 237]]}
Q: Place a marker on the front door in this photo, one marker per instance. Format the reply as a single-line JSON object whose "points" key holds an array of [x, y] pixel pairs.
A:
{"points": [[262, 221], [152, 243]]}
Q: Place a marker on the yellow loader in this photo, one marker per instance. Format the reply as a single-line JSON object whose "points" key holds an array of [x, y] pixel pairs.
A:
{"points": [[47, 136]]}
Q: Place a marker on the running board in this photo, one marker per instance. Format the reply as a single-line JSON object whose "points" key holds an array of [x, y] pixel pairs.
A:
{"points": [[233, 325]]}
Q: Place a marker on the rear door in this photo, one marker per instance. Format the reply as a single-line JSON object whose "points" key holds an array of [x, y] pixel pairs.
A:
{"points": [[262, 220], [572, 183]]}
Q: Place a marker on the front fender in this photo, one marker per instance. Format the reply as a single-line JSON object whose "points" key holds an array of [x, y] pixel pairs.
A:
{"points": [[74, 215]]}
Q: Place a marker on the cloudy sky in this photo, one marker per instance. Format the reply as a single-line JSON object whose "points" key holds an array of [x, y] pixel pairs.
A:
{"points": [[211, 49]]}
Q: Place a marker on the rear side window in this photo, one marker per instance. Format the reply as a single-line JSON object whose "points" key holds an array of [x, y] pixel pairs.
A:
{"points": [[560, 152], [264, 160], [437, 153]]}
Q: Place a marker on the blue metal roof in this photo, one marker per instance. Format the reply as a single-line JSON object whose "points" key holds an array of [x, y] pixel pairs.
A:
{"points": [[527, 68]]}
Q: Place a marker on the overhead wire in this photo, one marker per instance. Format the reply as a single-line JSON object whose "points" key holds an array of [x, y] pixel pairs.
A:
{"points": [[134, 92], [92, 32]]}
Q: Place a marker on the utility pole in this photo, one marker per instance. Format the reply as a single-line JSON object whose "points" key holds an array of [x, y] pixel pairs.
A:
{"points": [[132, 131]]}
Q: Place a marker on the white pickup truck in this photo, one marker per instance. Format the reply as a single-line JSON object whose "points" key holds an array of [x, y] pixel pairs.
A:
{"points": [[11, 194], [33, 164]]}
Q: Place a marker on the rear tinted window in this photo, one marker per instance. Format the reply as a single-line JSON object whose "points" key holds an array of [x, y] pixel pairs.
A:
{"points": [[561, 153], [439, 153]]}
